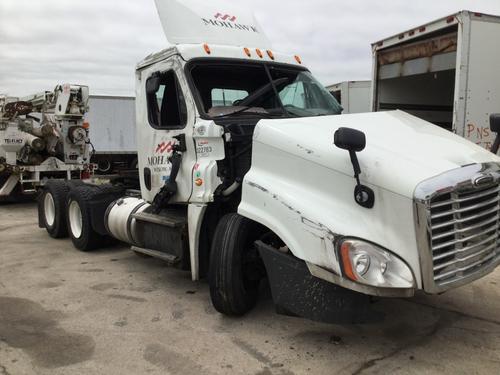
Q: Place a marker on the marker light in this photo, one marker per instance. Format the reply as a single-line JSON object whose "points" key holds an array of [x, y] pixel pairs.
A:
{"points": [[247, 52], [259, 52], [206, 48], [369, 264], [198, 182], [270, 54], [86, 125], [297, 58]]}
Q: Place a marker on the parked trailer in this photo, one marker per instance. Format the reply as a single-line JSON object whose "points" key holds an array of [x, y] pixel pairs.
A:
{"points": [[446, 72], [262, 187], [353, 96], [112, 120]]}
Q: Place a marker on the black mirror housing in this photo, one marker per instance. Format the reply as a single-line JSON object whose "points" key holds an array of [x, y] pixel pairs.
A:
{"points": [[495, 122], [153, 84], [349, 139]]}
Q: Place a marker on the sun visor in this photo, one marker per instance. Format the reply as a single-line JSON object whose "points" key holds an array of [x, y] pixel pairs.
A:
{"points": [[212, 22]]}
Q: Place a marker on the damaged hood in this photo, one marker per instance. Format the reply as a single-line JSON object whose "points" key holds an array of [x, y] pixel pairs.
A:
{"points": [[401, 150]]}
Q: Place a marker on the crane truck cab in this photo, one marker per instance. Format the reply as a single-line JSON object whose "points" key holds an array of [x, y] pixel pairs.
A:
{"points": [[249, 171]]}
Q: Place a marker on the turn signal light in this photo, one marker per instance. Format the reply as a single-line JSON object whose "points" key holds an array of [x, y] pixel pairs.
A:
{"points": [[206, 48], [344, 251]]}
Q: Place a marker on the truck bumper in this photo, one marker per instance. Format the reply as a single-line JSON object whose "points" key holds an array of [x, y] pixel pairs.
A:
{"points": [[297, 292]]}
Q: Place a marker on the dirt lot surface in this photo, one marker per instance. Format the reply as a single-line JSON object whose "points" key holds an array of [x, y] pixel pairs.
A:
{"points": [[111, 312]]}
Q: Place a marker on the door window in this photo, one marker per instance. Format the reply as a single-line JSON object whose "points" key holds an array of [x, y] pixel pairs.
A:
{"points": [[167, 106]]}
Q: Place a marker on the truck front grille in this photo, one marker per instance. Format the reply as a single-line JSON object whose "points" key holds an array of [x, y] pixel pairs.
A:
{"points": [[464, 232], [461, 228]]}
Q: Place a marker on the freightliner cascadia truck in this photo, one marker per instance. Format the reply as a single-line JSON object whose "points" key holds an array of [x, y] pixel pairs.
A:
{"points": [[248, 172]]}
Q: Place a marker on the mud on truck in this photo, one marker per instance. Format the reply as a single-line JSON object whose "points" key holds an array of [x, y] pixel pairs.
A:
{"points": [[248, 172]]}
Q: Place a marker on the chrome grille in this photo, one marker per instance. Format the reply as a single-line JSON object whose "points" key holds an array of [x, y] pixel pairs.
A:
{"points": [[458, 225], [463, 231]]}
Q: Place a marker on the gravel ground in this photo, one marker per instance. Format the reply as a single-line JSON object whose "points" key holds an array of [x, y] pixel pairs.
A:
{"points": [[111, 312]]}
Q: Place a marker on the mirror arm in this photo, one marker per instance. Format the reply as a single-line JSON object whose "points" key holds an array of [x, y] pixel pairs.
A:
{"points": [[496, 144], [355, 165]]}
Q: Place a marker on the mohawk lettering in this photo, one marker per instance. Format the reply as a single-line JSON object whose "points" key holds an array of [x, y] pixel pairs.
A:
{"points": [[229, 25]]}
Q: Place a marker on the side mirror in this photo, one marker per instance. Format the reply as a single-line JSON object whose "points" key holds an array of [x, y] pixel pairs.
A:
{"points": [[349, 139], [354, 141], [495, 127], [153, 84], [495, 122]]}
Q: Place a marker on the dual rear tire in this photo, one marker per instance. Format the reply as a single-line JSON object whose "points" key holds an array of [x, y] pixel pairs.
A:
{"points": [[64, 210]]}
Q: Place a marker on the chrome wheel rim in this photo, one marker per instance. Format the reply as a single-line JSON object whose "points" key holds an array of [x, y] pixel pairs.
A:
{"points": [[75, 219], [49, 209]]}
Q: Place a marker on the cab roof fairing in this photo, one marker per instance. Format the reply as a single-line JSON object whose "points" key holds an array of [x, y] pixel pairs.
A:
{"points": [[193, 51]]}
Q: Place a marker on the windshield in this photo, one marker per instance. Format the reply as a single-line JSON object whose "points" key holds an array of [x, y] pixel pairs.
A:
{"points": [[235, 89]]}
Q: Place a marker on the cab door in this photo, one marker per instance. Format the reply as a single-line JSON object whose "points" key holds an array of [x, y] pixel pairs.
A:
{"points": [[166, 115]]}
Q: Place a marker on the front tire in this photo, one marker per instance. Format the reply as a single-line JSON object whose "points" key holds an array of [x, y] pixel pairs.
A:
{"points": [[234, 271], [52, 206]]}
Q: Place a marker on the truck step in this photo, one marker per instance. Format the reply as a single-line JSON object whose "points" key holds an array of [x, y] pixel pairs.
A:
{"points": [[173, 219], [169, 258]]}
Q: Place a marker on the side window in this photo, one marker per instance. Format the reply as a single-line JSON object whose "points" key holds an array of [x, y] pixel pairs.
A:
{"points": [[167, 106], [294, 95], [226, 97]]}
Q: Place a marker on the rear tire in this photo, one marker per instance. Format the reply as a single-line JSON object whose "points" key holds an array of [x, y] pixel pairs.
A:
{"points": [[79, 221], [232, 291], [52, 206]]}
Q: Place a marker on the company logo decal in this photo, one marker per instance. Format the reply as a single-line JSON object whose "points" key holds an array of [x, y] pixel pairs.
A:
{"points": [[164, 147], [225, 17], [228, 21]]}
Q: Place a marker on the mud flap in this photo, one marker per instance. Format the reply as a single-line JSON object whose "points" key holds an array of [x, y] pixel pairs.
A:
{"points": [[298, 293]]}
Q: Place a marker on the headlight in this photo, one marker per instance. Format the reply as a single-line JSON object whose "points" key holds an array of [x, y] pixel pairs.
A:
{"points": [[369, 264]]}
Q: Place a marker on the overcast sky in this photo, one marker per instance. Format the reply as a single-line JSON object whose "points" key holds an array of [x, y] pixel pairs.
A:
{"points": [[98, 42]]}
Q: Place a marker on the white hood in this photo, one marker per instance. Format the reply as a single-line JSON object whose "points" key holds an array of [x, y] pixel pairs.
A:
{"points": [[401, 150], [210, 21]]}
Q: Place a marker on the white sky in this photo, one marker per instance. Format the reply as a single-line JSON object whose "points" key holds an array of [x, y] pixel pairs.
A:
{"points": [[99, 42]]}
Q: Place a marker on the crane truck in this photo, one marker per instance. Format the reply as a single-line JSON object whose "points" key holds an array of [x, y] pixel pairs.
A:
{"points": [[248, 171], [43, 136]]}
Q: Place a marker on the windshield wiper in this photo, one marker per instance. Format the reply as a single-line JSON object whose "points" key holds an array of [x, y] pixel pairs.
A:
{"points": [[244, 110]]}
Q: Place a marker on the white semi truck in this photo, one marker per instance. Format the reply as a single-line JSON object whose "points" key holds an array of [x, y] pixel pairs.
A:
{"points": [[276, 183], [43, 136], [445, 72]]}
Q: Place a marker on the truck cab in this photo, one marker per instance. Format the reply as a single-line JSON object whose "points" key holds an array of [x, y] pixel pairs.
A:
{"points": [[248, 171]]}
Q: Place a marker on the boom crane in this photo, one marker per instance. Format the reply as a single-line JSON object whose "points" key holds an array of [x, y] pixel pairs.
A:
{"points": [[43, 136]]}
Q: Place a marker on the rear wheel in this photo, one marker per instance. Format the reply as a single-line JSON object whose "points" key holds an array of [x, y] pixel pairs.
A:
{"points": [[52, 206], [82, 234], [235, 268]]}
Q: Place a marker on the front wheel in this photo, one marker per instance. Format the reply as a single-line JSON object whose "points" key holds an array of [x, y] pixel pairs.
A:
{"points": [[235, 268]]}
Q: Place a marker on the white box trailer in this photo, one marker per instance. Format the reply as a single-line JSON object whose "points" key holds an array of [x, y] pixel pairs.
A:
{"points": [[446, 72], [112, 128], [353, 96]]}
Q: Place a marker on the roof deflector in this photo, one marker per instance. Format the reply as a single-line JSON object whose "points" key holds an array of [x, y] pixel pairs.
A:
{"points": [[213, 22]]}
